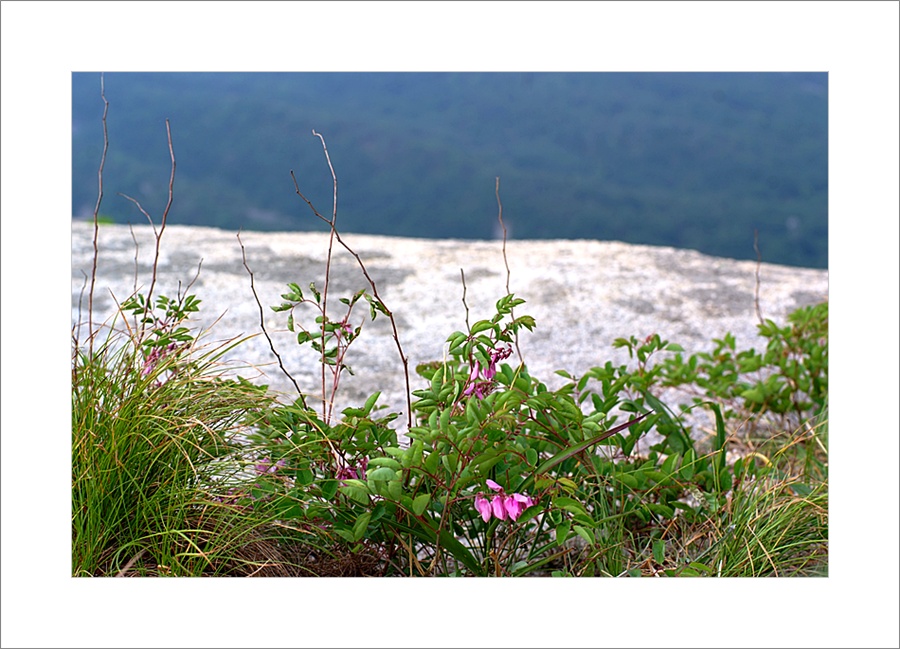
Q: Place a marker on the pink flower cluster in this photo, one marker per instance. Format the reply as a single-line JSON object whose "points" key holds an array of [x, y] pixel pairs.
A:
{"points": [[351, 471], [155, 356], [265, 466], [480, 388], [502, 504]]}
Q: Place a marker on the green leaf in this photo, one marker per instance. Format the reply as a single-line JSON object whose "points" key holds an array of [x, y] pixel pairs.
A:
{"points": [[420, 504], [531, 456], [627, 479], [570, 505], [668, 467], [357, 484], [329, 488], [754, 395], [359, 528], [431, 462], [487, 460], [720, 434], [562, 532], [663, 510], [370, 403], [382, 473], [568, 484], [700, 567], [391, 463], [449, 462], [585, 533], [687, 464], [481, 325], [675, 425], [659, 550], [356, 494]]}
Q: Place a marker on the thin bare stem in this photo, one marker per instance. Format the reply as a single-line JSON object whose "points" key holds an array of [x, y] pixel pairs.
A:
{"points": [[758, 264], [165, 217], [506, 262], [331, 223], [462, 275], [162, 228], [365, 273], [76, 328], [262, 322], [136, 253], [96, 219]]}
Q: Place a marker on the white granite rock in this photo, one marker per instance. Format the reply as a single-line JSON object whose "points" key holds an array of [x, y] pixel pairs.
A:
{"points": [[582, 294]]}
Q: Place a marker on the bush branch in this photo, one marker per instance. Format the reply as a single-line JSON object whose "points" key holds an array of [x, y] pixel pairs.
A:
{"points": [[262, 322], [336, 236]]}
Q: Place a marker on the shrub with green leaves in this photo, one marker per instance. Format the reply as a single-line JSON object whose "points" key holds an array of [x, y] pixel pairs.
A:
{"points": [[503, 476], [781, 387]]}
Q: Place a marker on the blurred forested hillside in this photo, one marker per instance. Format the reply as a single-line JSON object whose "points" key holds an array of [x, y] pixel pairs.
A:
{"points": [[692, 160]]}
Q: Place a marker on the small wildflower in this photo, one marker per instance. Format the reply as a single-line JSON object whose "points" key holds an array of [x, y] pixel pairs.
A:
{"points": [[344, 329], [483, 507], [516, 504], [266, 466], [499, 507], [352, 471], [481, 388], [502, 505], [150, 362]]}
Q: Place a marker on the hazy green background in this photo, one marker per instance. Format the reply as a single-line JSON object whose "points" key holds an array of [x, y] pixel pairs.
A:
{"points": [[692, 160]]}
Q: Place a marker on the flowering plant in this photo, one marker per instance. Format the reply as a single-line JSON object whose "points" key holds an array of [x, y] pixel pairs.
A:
{"points": [[502, 505], [481, 423]]}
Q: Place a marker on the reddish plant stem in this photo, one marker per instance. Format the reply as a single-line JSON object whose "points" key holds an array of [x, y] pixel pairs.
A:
{"points": [[96, 220], [362, 266]]}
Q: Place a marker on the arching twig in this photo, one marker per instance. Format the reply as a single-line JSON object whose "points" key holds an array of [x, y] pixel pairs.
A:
{"points": [[506, 263], [336, 235], [262, 322], [758, 264], [162, 228], [96, 220]]}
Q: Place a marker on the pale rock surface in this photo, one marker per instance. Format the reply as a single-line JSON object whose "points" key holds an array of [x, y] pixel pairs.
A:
{"points": [[583, 295]]}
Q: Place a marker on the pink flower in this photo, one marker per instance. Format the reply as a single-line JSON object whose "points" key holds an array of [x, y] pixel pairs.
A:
{"points": [[351, 471], [493, 485], [496, 355], [483, 507], [516, 504], [474, 385], [502, 505], [265, 466], [480, 388], [344, 329], [499, 507]]}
